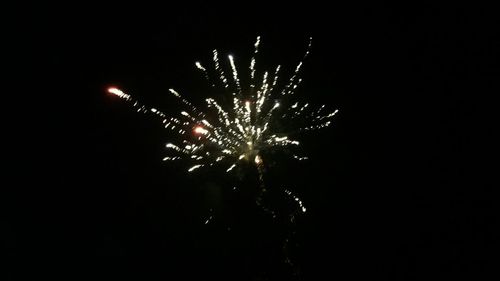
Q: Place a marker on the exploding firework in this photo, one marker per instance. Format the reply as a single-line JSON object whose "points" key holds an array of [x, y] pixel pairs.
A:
{"points": [[245, 129], [243, 126]]}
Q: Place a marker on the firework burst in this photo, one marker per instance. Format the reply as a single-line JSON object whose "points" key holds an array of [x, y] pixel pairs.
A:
{"points": [[251, 118], [244, 130]]}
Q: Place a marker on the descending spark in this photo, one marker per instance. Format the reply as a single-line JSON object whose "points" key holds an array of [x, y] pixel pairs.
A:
{"points": [[300, 158], [208, 220], [297, 200]]}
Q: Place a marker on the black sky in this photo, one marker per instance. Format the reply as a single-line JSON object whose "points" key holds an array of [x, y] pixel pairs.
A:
{"points": [[395, 189]]}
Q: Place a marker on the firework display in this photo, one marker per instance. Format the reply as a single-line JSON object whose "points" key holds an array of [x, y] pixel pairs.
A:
{"points": [[226, 135]]}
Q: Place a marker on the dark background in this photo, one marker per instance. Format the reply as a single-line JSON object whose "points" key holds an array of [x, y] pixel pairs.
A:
{"points": [[396, 189]]}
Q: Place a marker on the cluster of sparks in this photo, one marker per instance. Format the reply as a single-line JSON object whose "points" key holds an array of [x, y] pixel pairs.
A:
{"points": [[243, 125], [242, 129]]}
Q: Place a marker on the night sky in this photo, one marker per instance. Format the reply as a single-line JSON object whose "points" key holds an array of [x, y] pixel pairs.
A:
{"points": [[393, 189]]}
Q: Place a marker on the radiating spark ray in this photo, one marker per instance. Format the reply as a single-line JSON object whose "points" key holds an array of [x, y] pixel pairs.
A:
{"points": [[252, 63], [118, 92], [254, 122], [194, 167], [235, 73], [219, 69], [205, 72], [291, 82]]}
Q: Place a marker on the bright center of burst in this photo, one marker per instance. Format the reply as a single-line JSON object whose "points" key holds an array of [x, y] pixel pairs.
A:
{"points": [[200, 130]]}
